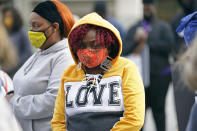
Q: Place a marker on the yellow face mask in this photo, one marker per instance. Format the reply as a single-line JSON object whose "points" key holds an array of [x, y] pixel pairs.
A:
{"points": [[37, 39], [8, 21]]}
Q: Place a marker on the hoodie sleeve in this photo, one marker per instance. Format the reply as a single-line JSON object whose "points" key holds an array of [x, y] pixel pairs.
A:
{"points": [[58, 121], [134, 101]]}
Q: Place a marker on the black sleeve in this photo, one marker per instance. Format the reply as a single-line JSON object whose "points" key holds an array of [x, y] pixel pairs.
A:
{"points": [[164, 42]]}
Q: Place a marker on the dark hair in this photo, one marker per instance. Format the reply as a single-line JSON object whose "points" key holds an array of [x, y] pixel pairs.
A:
{"points": [[104, 37], [18, 22], [55, 11]]}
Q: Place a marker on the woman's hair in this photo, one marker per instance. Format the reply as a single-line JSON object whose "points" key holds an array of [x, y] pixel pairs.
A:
{"points": [[18, 22], [103, 36], [8, 55], [67, 17], [187, 65], [55, 11]]}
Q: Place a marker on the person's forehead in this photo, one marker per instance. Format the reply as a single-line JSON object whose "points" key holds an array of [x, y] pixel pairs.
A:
{"points": [[90, 35], [34, 17]]}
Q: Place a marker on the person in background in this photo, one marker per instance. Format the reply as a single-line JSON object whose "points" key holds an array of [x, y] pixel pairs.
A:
{"points": [[14, 25], [187, 62], [8, 59], [187, 7], [100, 8], [181, 92], [37, 82], [101, 91], [156, 38]]}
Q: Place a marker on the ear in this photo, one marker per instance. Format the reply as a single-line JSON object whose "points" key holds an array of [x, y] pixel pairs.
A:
{"points": [[56, 26]]}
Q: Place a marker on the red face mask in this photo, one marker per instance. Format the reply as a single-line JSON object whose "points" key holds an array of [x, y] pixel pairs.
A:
{"points": [[92, 57]]}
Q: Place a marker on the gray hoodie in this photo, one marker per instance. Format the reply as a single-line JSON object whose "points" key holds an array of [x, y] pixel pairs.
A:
{"points": [[36, 85]]}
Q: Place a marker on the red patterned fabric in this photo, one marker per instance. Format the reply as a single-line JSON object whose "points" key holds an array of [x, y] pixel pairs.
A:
{"points": [[92, 57]]}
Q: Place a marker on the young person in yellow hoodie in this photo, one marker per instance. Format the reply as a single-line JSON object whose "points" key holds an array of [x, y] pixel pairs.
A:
{"points": [[101, 91]]}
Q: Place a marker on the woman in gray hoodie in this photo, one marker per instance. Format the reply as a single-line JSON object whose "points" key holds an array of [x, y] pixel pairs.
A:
{"points": [[37, 82]]}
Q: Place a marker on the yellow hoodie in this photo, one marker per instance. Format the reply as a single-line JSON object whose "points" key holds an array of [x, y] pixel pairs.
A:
{"points": [[117, 104]]}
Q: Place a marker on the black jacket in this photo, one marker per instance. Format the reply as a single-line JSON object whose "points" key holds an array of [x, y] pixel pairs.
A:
{"points": [[160, 41]]}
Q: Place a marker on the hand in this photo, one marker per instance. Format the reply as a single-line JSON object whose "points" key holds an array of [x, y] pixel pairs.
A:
{"points": [[9, 96], [139, 48], [140, 35]]}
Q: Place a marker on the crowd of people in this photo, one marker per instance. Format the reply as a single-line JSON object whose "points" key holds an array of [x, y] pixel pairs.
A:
{"points": [[91, 74]]}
